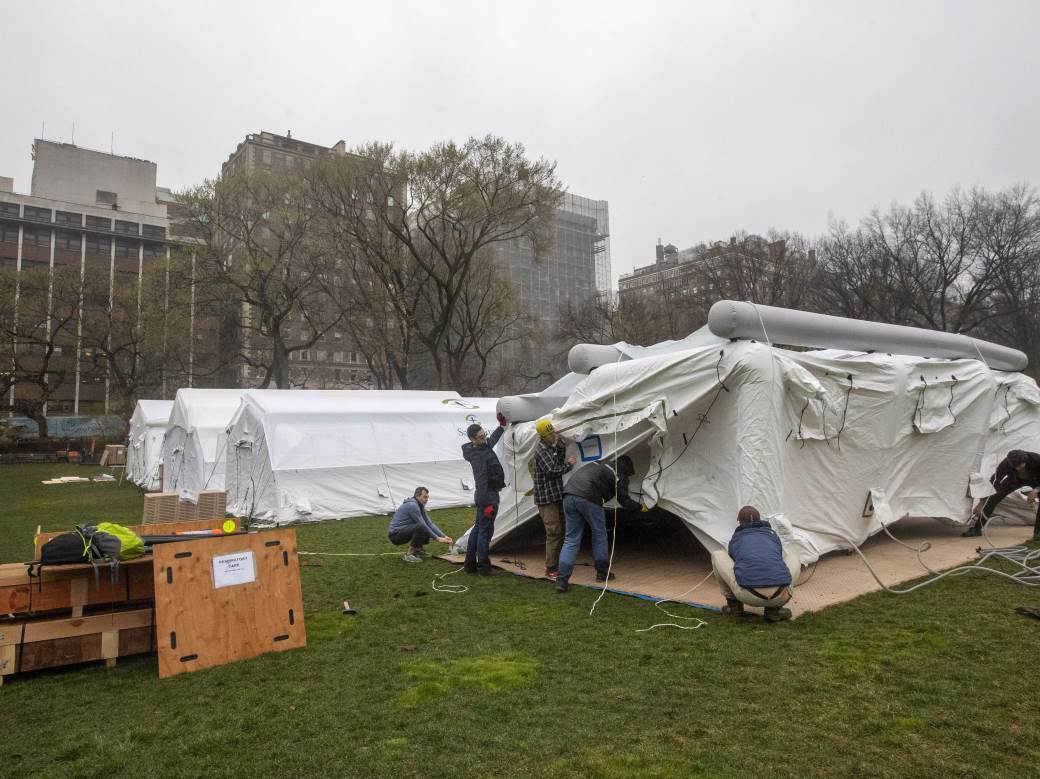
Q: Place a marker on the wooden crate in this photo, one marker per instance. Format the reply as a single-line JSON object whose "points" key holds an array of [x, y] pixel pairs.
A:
{"points": [[113, 454], [71, 588], [211, 609], [31, 645], [168, 507]]}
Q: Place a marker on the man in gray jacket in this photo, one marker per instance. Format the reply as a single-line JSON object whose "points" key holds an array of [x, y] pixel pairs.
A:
{"points": [[412, 525]]}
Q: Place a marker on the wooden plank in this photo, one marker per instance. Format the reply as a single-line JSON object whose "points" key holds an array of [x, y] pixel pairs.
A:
{"points": [[49, 629], [71, 587], [200, 625], [71, 650]]}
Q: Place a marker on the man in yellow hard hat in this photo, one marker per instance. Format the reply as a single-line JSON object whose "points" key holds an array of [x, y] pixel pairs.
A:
{"points": [[550, 464]]}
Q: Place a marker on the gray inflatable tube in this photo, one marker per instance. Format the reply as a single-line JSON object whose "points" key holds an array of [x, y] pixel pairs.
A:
{"points": [[583, 358], [736, 319]]}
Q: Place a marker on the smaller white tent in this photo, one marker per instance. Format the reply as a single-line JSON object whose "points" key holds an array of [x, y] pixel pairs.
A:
{"points": [[193, 451], [144, 448], [329, 454]]}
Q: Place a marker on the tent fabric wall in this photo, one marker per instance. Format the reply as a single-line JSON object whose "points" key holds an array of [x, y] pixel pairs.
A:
{"points": [[193, 450], [312, 455], [144, 450], [808, 436]]}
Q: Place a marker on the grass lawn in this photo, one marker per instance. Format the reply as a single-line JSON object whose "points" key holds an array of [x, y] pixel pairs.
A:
{"points": [[512, 679]]}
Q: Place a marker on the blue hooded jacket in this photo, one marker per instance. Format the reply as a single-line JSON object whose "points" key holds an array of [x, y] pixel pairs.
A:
{"points": [[758, 556]]}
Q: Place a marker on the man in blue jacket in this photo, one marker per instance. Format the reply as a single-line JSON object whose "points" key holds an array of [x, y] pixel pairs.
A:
{"points": [[488, 477], [755, 571], [412, 525]]}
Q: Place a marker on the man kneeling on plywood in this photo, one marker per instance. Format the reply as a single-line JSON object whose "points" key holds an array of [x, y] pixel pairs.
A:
{"points": [[755, 571]]}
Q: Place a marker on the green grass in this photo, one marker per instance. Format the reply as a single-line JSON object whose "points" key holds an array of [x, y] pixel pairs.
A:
{"points": [[512, 679]]}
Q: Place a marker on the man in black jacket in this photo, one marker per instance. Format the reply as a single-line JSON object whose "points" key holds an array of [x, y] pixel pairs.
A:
{"points": [[589, 488], [1018, 470], [489, 478]]}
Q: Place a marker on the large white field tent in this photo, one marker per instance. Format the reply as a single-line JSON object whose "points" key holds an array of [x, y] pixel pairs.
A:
{"points": [[832, 444], [194, 449], [328, 454], [148, 426]]}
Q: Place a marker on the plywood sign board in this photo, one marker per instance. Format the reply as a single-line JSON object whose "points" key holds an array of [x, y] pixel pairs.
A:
{"points": [[223, 599]]}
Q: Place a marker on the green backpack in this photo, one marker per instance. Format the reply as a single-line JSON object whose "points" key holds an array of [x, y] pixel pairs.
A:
{"points": [[130, 544]]}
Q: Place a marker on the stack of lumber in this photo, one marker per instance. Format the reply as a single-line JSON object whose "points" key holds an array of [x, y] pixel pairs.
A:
{"points": [[168, 507]]}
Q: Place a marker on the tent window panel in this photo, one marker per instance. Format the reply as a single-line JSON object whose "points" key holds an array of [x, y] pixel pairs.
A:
{"points": [[934, 404]]}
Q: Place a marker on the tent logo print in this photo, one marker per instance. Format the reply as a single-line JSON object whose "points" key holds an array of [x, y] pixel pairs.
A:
{"points": [[459, 403]]}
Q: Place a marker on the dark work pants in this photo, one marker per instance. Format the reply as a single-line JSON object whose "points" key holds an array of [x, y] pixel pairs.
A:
{"points": [[1006, 486], [417, 534], [478, 546]]}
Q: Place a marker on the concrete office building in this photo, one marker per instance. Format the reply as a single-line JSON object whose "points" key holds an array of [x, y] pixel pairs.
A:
{"points": [[100, 213]]}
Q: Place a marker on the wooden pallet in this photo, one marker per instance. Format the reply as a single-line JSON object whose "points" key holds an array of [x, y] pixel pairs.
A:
{"points": [[168, 507], [31, 645], [71, 588]]}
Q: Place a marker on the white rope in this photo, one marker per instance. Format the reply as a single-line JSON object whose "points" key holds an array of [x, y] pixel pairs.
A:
{"points": [[675, 599], [455, 589], [352, 554], [617, 479]]}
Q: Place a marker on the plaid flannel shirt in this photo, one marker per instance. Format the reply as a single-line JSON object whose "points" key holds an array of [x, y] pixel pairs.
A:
{"points": [[550, 463]]}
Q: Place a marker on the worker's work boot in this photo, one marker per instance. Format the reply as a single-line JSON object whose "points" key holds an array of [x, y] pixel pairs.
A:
{"points": [[777, 614], [733, 608], [562, 585], [974, 531]]}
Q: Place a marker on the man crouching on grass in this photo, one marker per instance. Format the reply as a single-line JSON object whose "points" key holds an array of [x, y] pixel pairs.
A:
{"points": [[412, 525]]}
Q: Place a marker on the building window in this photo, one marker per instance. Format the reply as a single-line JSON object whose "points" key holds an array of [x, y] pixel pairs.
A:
{"points": [[38, 214], [99, 222], [337, 357], [267, 156], [36, 236], [98, 244], [68, 218], [337, 336], [8, 233], [106, 198], [126, 249], [126, 228], [153, 231], [321, 355], [66, 240], [9, 209], [304, 354], [152, 250]]}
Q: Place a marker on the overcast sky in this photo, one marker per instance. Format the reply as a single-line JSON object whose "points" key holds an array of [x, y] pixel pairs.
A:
{"points": [[693, 120]]}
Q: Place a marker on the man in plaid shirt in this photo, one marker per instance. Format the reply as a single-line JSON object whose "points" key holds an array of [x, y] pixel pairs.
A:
{"points": [[550, 463]]}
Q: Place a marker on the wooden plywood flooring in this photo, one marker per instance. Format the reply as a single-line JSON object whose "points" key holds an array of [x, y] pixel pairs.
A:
{"points": [[670, 568]]}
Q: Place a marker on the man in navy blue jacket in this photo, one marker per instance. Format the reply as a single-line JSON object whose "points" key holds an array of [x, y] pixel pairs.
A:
{"points": [[755, 570], [489, 478], [412, 525]]}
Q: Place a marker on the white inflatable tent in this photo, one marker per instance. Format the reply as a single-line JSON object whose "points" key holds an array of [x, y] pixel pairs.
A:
{"points": [[837, 444], [194, 448], [144, 448], [317, 454]]}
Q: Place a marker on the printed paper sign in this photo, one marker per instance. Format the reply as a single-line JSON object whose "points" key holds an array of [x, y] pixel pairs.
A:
{"points": [[232, 569], [190, 496]]}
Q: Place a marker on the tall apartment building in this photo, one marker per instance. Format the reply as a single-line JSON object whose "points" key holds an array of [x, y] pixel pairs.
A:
{"points": [[576, 268], [96, 212], [334, 362]]}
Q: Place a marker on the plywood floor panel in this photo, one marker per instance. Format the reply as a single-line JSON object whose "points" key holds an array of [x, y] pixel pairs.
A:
{"points": [[658, 573]]}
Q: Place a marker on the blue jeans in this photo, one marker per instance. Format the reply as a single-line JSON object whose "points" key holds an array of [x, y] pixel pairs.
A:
{"points": [[478, 547], [577, 513]]}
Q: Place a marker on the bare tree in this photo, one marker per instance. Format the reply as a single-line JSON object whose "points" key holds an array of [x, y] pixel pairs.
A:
{"points": [[422, 221], [261, 253], [39, 308]]}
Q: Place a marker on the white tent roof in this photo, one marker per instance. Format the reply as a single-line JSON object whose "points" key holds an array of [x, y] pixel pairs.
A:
{"points": [[204, 409], [305, 455], [153, 412]]}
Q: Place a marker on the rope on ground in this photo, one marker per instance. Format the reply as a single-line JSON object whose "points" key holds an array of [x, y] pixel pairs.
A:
{"points": [[1026, 560], [657, 604], [454, 589], [352, 554]]}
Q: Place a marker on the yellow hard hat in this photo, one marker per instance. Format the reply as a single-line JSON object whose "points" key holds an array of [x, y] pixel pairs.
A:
{"points": [[544, 428]]}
